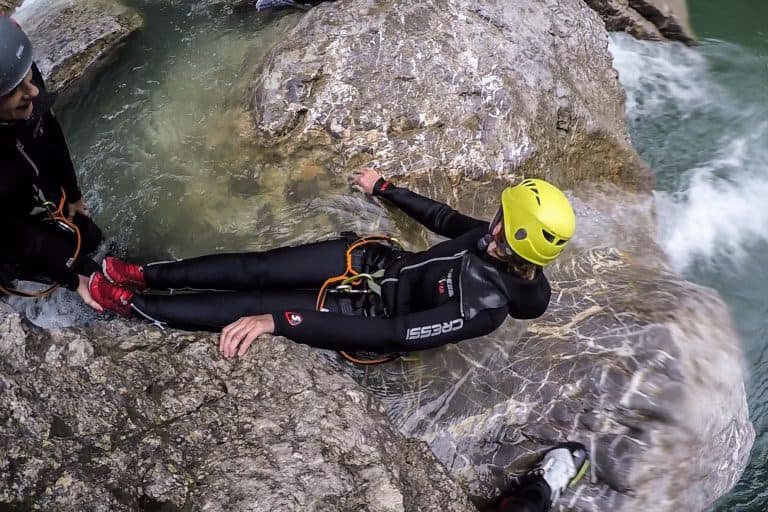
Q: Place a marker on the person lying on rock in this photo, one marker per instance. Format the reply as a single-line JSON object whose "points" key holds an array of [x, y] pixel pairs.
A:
{"points": [[560, 467], [363, 294], [47, 229]]}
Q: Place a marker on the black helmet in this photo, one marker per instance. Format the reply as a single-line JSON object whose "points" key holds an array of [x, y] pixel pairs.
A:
{"points": [[15, 55]]}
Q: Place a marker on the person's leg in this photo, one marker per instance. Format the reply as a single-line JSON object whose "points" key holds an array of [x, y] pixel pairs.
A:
{"points": [[559, 468], [533, 495], [212, 311], [304, 266], [90, 234]]}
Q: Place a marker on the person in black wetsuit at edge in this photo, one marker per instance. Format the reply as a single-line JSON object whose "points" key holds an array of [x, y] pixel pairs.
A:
{"points": [[37, 178], [559, 468], [458, 289]]}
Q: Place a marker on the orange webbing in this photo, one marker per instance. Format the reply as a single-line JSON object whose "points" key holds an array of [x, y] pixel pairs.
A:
{"points": [[57, 216], [349, 271]]}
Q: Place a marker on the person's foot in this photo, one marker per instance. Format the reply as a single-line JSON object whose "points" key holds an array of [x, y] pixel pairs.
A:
{"points": [[122, 273], [109, 296], [562, 467]]}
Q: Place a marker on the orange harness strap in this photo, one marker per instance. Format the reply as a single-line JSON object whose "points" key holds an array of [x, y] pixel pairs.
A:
{"points": [[57, 215], [350, 273]]}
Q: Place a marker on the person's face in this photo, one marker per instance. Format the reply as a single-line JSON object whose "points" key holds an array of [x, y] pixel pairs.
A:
{"points": [[493, 249], [17, 104]]}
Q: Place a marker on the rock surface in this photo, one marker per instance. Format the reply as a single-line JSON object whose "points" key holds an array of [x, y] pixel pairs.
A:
{"points": [[8, 6], [71, 36], [117, 417], [490, 90], [647, 19]]}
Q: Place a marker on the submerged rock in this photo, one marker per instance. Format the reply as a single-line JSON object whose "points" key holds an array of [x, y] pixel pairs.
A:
{"points": [[647, 19], [127, 417], [71, 36]]}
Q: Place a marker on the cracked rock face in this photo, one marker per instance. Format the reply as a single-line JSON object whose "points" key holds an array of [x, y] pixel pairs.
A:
{"points": [[647, 19], [119, 417], [71, 36], [460, 88]]}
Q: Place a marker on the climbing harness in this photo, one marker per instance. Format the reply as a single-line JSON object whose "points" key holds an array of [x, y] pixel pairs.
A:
{"points": [[56, 215], [354, 282]]}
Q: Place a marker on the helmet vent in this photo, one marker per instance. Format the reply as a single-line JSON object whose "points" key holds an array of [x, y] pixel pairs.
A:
{"points": [[532, 185], [561, 242], [549, 236], [520, 234]]}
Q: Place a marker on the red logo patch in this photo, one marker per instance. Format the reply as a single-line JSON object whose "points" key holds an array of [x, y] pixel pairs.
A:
{"points": [[294, 319]]}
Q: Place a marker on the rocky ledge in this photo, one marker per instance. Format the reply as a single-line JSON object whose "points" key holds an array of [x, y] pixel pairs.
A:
{"points": [[71, 36], [117, 417]]}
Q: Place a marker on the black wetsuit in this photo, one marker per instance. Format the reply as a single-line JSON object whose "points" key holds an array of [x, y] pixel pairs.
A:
{"points": [[450, 292], [531, 495], [36, 166]]}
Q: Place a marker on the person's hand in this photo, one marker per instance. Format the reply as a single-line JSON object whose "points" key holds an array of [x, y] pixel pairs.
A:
{"points": [[77, 207], [241, 333], [85, 294], [364, 179]]}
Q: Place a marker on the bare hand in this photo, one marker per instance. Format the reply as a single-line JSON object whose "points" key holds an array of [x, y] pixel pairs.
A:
{"points": [[85, 294], [364, 179], [241, 333], [78, 207]]}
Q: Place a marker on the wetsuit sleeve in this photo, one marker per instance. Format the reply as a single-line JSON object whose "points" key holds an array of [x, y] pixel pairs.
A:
{"points": [[415, 331], [40, 250], [59, 154], [56, 147], [437, 217]]}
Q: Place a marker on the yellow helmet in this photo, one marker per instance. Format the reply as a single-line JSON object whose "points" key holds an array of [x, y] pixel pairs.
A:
{"points": [[538, 221]]}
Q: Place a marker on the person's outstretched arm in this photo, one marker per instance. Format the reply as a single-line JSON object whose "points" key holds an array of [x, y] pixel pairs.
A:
{"points": [[406, 333], [435, 216]]}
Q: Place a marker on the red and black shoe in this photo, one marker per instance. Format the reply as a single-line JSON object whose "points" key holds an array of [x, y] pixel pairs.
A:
{"points": [[123, 273], [109, 296]]}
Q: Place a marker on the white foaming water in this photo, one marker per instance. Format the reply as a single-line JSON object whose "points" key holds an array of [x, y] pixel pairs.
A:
{"points": [[710, 160]]}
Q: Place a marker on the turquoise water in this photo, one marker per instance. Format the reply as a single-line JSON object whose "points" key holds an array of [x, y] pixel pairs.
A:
{"points": [[700, 118]]}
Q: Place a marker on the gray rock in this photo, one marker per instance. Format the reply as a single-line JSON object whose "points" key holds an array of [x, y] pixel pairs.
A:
{"points": [[491, 89], [8, 6], [71, 36], [139, 421], [647, 19], [641, 366]]}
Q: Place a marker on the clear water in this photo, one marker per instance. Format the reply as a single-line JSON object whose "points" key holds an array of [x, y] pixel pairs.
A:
{"points": [[162, 143], [700, 118]]}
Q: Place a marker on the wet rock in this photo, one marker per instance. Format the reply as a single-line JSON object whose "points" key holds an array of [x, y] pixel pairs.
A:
{"points": [[8, 6], [146, 422], [643, 367], [647, 19], [491, 89], [71, 36]]}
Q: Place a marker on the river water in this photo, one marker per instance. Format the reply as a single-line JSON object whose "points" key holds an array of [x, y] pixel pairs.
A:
{"points": [[699, 117], [156, 144]]}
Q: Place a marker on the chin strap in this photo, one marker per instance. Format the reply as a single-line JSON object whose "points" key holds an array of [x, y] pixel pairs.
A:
{"points": [[483, 243]]}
